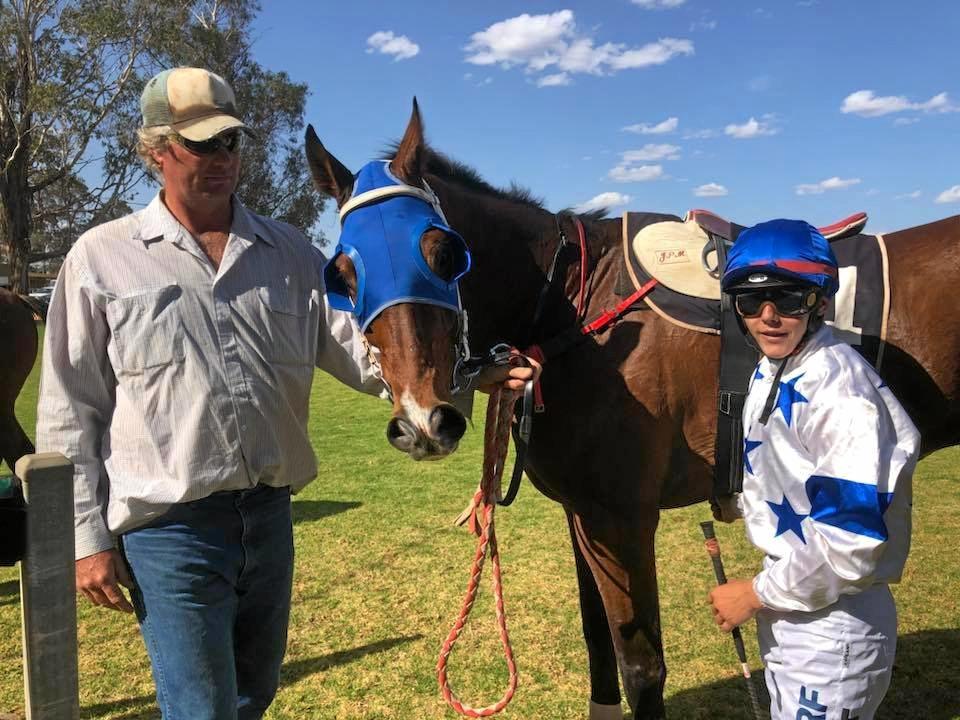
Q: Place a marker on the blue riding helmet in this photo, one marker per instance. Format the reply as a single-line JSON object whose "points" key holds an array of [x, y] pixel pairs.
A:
{"points": [[382, 225], [781, 252]]}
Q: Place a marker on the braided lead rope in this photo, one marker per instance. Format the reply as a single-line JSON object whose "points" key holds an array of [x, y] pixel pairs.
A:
{"points": [[496, 441]]}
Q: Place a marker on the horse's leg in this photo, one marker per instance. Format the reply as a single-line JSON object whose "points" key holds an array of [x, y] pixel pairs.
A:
{"points": [[18, 331], [604, 680], [623, 564], [14, 442]]}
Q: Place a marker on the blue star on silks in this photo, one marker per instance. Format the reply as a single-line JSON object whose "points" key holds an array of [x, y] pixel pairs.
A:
{"points": [[748, 447], [787, 518], [788, 397], [757, 375]]}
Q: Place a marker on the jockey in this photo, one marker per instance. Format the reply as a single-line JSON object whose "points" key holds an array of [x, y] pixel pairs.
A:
{"points": [[828, 458]]}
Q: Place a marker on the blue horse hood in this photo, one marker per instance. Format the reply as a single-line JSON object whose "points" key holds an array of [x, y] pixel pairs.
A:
{"points": [[382, 225]]}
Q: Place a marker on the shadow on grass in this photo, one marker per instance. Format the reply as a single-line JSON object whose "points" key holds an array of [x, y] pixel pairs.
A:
{"points": [[294, 671], [310, 510], [924, 685], [137, 708], [145, 708], [9, 592]]}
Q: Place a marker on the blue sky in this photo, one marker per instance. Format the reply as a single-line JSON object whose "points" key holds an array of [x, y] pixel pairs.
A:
{"points": [[799, 108]]}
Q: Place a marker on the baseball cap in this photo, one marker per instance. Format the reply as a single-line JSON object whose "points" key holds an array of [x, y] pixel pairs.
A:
{"points": [[194, 102]]}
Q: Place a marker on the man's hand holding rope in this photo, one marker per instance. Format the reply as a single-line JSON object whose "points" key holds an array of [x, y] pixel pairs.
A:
{"points": [[512, 376]]}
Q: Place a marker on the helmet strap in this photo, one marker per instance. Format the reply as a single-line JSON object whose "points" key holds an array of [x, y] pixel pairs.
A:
{"points": [[774, 390]]}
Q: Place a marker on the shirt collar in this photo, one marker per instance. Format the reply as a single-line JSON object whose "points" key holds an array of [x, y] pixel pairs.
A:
{"points": [[158, 223]]}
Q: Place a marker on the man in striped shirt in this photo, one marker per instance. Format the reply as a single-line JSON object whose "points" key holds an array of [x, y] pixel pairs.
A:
{"points": [[179, 355]]}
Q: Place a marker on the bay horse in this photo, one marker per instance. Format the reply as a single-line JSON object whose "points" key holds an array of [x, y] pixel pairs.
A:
{"points": [[630, 414], [18, 351]]}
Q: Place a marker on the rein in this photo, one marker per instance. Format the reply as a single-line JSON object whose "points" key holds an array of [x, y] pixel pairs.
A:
{"points": [[481, 523], [500, 413]]}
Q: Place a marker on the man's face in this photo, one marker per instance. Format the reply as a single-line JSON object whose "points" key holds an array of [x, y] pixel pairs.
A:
{"points": [[198, 177]]}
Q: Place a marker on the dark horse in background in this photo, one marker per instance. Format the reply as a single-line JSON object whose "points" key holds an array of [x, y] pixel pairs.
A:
{"points": [[630, 414], [18, 351]]}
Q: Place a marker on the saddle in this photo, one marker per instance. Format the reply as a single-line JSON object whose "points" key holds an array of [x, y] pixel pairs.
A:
{"points": [[685, 256]]}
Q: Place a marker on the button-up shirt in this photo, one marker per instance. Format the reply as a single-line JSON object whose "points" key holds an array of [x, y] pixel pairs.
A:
{"points": [[166, 379]]}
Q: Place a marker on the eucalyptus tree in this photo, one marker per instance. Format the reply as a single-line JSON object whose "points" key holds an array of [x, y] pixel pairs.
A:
{"points": [[71, 72]]}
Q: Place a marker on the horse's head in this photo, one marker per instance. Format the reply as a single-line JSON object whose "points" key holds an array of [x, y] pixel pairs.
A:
{"points": [[396, 268]]}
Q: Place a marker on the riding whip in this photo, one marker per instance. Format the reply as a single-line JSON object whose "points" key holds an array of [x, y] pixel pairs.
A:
{"points": [[713, 549]]}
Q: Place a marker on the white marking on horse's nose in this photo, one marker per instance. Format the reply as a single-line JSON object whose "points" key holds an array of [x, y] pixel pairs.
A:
{"points": [[417, 415]]}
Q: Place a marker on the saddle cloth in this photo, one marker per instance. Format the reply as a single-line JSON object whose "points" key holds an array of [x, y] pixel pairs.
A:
{"points": [[681, 256]]}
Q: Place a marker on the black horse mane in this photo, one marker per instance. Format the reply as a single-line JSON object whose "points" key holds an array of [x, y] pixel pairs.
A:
{"points": [[450, 170]]}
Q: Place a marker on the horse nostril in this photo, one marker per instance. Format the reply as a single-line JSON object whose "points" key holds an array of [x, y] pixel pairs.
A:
{"points": [[401, 434], [446, 422]]}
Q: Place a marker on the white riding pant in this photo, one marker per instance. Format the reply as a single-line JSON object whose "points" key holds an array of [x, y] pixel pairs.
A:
{"points": [[833, 664]]}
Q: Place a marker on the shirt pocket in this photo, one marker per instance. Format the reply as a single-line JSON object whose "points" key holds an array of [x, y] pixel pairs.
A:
{"points": [[287, 325], [147, 328]]}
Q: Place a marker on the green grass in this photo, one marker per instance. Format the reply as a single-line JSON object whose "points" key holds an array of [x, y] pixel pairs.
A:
{"points": [[380, 573]]}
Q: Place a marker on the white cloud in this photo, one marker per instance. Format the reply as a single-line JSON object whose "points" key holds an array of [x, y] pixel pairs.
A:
{"points": [[650, 152], [834, 183], [910, 195], [385, 42], [661, 128], [703, 25], [750, 129], [655, 53], [700, 135], [866, 104], [950, 195], [710, 190], [540, 42], [656, 4], [639, 173], [603, 200], [554, 80]]}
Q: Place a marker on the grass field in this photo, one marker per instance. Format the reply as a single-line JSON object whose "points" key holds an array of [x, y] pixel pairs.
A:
{"points": [[380, 575]]}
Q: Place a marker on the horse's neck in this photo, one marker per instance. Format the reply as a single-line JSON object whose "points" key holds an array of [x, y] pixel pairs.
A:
{"points": [[513, 246]]}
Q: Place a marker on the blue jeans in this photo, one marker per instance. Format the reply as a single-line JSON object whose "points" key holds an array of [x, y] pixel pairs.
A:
{"points": [[213, 580]]}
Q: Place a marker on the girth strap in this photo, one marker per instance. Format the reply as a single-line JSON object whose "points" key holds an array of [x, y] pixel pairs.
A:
{"points": [[737, 360]]}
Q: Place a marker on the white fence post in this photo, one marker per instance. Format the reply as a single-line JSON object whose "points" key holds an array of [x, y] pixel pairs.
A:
{"points": [[48, 598]]}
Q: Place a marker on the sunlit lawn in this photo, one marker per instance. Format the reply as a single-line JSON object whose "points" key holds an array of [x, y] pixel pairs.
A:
{"points": [[380, 576]]}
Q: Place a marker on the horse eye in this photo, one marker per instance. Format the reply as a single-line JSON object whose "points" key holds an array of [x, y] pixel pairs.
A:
{"points": [[442, 263], [347, 276]]}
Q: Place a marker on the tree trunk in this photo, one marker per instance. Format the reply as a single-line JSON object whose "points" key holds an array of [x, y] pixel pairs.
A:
{"points": [[15, 217]]}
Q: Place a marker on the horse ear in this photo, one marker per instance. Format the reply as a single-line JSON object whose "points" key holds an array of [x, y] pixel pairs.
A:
{"points": [[329, 174], [406, 164]]}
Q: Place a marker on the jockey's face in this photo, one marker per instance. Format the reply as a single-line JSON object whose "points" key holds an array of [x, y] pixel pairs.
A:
{"points": [[778, 335]]}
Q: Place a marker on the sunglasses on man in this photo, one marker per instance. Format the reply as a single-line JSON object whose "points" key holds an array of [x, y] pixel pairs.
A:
{"points": [[790, 302], [231, 141]]}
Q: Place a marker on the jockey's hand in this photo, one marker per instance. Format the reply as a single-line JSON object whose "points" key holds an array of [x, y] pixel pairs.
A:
{"points": [[726, 508], [99, 577], [512, 376], [734, 603]]}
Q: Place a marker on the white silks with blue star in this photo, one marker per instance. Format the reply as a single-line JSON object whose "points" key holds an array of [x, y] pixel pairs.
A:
{"points": [[827, 479]]}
